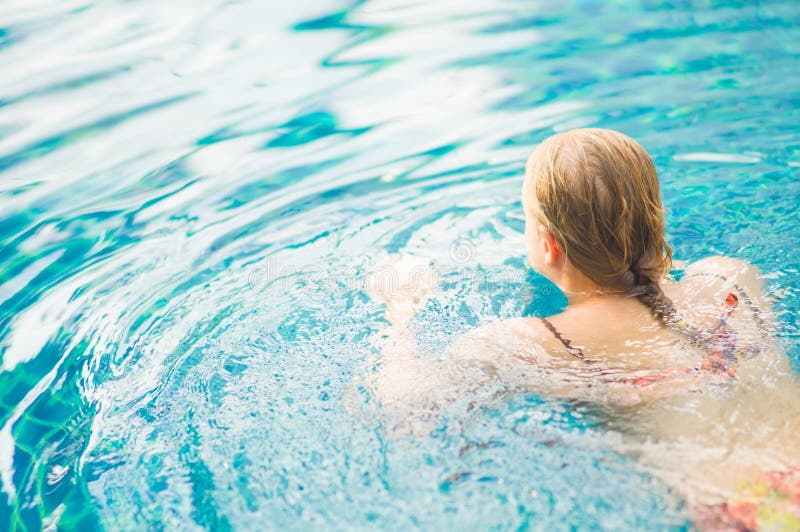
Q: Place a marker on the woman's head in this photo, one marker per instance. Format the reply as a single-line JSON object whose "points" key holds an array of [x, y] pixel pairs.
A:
{"points": [[593, 195]]}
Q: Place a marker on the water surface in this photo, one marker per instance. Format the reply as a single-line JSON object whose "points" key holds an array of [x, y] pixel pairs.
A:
{"points": [[191, 191]]}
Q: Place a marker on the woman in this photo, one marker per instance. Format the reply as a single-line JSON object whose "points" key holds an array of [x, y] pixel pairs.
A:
{"points": [[688, 369]]}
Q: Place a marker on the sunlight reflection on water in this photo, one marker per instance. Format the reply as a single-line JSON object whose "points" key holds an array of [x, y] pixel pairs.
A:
{"points": [[156, 157]]}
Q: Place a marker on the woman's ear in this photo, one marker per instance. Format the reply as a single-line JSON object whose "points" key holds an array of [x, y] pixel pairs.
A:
{"points": [[550, 248]]}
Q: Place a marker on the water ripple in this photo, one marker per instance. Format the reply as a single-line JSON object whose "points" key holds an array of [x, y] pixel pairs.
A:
{"points": [[193, 194]]}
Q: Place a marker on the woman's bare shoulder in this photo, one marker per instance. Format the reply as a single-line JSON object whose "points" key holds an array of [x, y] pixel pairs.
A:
{"points": [[714, 277], [521, 343], [727, 267], [509, 333], [710, 285]]}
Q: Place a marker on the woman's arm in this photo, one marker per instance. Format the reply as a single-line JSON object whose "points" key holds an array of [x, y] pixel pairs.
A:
{"points": [[412, 387], [404, 381]]}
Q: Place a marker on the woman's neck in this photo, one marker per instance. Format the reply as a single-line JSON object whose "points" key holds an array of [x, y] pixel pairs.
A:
{"points": [[579, 288]]}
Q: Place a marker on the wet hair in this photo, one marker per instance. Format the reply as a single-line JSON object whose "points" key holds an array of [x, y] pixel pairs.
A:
{"points": [[597, 192]]}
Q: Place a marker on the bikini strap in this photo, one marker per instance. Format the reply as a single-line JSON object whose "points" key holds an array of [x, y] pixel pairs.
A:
{"points": [[577, 352], [723, 334], [732, 301]]}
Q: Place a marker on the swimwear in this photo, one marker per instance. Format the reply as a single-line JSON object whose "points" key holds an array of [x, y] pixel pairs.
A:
{"points": [[577, 352], [721, 343], [770, 503]]}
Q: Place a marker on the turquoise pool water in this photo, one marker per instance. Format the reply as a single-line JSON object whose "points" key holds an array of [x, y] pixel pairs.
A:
{"points": [[192, 192]]}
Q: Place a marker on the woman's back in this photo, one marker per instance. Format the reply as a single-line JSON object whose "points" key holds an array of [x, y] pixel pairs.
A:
{"points": [[705, 424], [719, 307], [711, 416]]}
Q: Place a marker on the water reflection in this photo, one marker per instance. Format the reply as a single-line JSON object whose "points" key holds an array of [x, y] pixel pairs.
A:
{"points": [[156, 157]]}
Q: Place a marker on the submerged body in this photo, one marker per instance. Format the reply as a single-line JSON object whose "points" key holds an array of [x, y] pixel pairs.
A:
{"points": [[710, 431], [688, 373]]}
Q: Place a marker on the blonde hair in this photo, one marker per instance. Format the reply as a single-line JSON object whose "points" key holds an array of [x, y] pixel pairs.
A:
{"points": [[597, 192]]}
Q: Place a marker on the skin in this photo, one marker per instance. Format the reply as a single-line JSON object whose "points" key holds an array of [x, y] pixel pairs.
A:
{"points": [[706, 433]]}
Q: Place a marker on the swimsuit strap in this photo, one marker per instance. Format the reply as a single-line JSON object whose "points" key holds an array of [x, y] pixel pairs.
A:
{"points": [[577, 352], [722, 332], [747, 301]]}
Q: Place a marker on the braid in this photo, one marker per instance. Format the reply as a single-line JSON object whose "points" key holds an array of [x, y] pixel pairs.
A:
{"points": [[652, 296], [649, 292]]}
